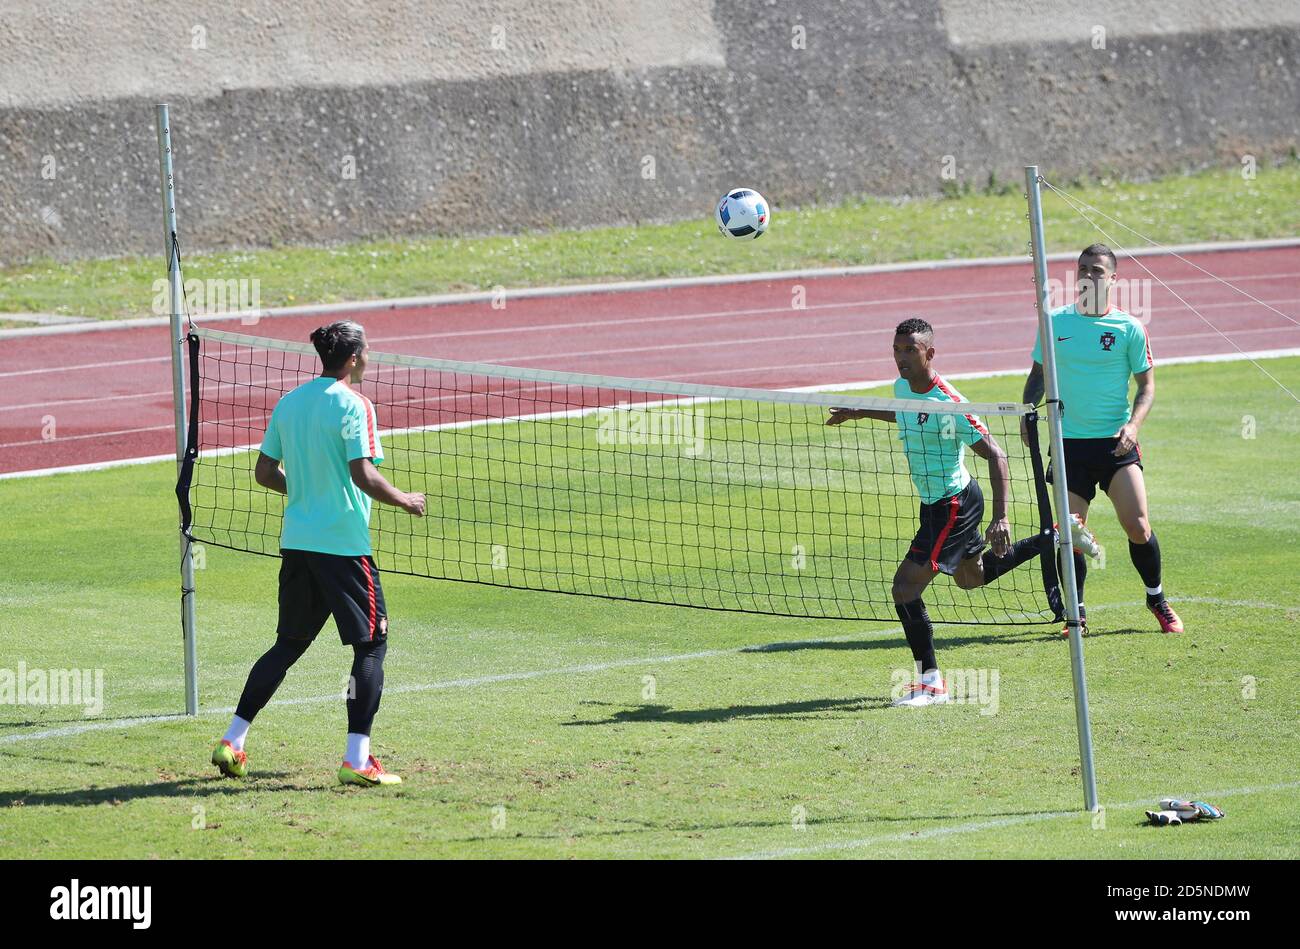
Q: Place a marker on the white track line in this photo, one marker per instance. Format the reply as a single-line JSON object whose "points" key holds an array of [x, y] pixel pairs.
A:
{"points": [[659, 284], [582, 669], [509, 360], [991, 824], [515, 360], [534, 357], [692, 317], [900, 302], [86, 365]]}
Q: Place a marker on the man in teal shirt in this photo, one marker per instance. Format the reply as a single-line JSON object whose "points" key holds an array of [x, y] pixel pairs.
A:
{"points": [[1098, 348], [326, 435], [948, 538]]}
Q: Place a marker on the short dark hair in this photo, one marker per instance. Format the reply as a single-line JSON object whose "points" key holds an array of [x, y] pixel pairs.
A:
{"points": [[914, 327], [1099, 250], [338, 342]]}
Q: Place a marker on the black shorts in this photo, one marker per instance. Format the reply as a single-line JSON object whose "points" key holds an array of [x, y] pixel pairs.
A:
{"points": [[314, 586], [1089, 462], [950, 531]]}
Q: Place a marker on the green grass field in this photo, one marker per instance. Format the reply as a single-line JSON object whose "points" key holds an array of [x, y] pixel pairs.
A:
{"points": [[1211, 205], [541, 725]]}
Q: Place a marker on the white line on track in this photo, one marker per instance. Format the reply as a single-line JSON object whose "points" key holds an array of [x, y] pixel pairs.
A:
{"points": [[990, 824], [580, 669], [958, 298], [524, 358], [691, 317], [87, 365]]}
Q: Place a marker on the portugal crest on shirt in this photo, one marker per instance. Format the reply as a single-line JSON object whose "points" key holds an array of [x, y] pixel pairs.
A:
{"points": [[1107, 340]]}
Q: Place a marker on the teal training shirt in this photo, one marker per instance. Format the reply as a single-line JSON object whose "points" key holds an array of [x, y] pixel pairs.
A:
{"points": [[316, 430], [1095, 357], [935, 444]]}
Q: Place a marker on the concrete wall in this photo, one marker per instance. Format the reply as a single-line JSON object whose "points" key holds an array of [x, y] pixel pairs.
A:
{"points": [[510, 114]]}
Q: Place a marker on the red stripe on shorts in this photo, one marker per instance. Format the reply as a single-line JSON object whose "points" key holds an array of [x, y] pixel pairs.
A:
{"points": [[370, 591], [953, 505]]}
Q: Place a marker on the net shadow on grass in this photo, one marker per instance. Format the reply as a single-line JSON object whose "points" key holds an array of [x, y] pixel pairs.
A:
{"points": [[701, 716]]}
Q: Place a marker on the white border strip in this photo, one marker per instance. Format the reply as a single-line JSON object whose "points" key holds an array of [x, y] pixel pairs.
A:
{"points": [[665, 283], [824, 387]]}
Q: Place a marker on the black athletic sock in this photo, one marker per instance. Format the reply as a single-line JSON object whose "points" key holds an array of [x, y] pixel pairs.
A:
{"points": [[919, 632], [1146, 557], [367, 685], [1021, 551], [267, 674]]}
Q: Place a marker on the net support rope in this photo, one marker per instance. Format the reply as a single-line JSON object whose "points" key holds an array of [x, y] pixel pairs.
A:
{"points": [[713, 497], [1082, 208]]}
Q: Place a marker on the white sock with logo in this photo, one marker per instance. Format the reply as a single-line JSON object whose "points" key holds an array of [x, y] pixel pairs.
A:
{"points": [[932, 677], [237, 732], [358, 751]]}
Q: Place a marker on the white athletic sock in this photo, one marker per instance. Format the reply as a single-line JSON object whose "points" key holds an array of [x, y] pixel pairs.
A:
{"points": [[1155, 591], [932, 677], [237, 732], [358, 751]]}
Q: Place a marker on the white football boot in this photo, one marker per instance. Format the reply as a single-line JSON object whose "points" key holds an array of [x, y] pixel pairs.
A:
{"points": [[923, 693], [1083, 539]]}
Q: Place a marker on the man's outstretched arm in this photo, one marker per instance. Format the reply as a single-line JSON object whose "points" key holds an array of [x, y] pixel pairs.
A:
{"points": [[841, 415], [367, 477]]}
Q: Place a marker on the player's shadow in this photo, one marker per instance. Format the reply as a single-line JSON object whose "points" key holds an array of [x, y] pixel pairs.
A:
{"points": [[183, 787], [810, 709]]}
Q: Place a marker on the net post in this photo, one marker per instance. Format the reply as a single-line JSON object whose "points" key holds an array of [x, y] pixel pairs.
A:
{"points": [[1059, 488], [178, 338]]}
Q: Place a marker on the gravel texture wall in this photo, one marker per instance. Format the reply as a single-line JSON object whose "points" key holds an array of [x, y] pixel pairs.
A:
{"points": [[333, 120]]}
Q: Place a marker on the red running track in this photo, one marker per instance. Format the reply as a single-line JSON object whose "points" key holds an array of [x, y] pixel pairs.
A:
{"points": [[108, 393]]}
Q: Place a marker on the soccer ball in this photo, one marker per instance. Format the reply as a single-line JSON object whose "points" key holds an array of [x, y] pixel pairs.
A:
{"points": [[743, 214]]}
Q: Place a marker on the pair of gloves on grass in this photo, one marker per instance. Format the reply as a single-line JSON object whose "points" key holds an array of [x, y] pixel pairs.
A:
{"points": [[1174, 811]]}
